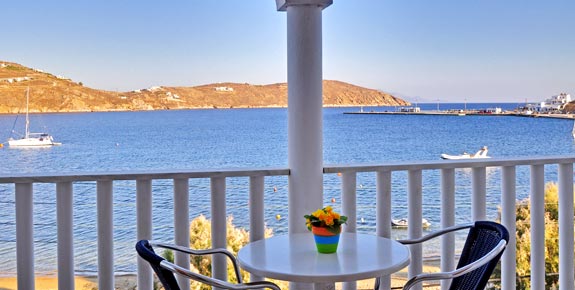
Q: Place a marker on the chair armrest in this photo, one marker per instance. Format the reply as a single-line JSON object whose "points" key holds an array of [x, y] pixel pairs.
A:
{"points": [[435, 234], [458, 272], [201, 253], [218, 283]]}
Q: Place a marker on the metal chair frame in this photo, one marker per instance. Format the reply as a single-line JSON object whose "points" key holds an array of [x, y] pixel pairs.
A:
{"points": [[494, 253], [146, 252]]}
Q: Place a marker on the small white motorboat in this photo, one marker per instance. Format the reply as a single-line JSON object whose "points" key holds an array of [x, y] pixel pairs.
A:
{"points": [[482, 153], [402, 223]]}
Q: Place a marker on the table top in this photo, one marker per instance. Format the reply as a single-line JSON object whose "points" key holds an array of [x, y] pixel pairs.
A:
{"points": [[294, 258]]}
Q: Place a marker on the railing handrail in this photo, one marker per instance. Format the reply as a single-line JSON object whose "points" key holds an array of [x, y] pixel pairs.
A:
{"points": [[449, 164], [281, 171], [144, 174]]}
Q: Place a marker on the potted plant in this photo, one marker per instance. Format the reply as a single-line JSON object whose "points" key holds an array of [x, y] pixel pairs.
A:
{"points": [[325, 224]]}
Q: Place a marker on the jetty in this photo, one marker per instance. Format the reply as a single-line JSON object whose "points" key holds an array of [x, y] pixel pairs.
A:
{"points": [[486, 112]]}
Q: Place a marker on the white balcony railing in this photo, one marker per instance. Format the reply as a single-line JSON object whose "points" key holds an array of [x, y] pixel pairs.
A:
{"points": [[385, 177]]}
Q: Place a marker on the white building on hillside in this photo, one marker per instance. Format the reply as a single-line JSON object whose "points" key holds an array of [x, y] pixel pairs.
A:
{"points": [[555, 103], [224, 89]]}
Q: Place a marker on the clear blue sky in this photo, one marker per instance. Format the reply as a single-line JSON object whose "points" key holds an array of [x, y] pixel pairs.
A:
{"points": [[478, 51]]}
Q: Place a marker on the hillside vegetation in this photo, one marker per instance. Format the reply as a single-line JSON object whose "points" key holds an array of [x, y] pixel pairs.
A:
{"points": [[50, 93]]}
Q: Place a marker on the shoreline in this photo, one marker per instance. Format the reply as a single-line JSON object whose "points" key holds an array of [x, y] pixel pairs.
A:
{"points": [[457, 114], [128, 281]]}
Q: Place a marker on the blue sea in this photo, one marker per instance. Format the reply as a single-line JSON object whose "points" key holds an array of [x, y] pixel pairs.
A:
{"points": [[248, 138]]}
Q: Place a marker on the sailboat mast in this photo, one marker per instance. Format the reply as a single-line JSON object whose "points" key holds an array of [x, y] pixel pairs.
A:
{"points": [[27, 117]]}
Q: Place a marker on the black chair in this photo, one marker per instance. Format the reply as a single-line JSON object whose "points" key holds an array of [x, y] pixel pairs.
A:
{"points": [[483, 248], [166, 270]]}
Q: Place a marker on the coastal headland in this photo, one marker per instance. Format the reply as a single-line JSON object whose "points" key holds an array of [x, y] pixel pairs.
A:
{"points": [[51, 93]]}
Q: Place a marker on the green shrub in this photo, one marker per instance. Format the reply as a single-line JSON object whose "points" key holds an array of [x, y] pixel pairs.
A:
{"points": [[200, 238], [523, 237]]}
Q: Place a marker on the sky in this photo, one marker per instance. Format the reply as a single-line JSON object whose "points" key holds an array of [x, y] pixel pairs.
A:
{"points": [[426, 51]]}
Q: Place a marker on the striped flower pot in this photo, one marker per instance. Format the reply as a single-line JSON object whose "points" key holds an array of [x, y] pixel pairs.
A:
{"points": [[325, 241]]}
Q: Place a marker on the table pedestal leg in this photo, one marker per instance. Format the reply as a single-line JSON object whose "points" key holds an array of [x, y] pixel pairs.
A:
{"points": [[324, 286], [300, 286]]}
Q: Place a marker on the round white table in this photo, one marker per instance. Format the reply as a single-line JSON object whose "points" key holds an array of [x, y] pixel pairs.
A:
{"points": [[294, 258]]}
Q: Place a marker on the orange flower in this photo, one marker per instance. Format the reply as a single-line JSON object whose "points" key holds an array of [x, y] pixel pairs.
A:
{"points": [[325, 217]]}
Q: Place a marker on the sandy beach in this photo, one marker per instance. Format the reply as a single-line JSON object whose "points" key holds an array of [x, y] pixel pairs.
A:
{"points": [[128, 282]]}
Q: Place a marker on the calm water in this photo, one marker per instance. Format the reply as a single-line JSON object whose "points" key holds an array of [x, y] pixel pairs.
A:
{"points": [[204, 139]]}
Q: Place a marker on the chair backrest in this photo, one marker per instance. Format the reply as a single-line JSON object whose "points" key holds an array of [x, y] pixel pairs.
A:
{"points": [[483, 237], [166, 276]]}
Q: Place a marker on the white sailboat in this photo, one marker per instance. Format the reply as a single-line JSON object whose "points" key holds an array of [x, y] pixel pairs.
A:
{"points": [[32, 139]]}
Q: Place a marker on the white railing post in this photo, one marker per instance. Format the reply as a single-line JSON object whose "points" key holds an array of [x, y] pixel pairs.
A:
{"points": [[478, 196], [415, 227], [383, 214], [447, 220], [349, 209], [105, 206], [144, 229], [508, 203], [182, 226], [566, 248], [537, 199], [65, 217], [219, 262], [257, 218], [24, 235], [349, 200]]}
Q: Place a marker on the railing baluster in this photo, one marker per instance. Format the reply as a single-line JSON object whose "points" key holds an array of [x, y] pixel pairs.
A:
{"points": [[566, 254], [537, 199], [349, 209], [219, 262], [144, 229], [25, 235], [349, 200], [415, 228], [508, 203], [383, 214], [478, 197], [182, 226], [65, 217], [447, 220], [257, 219], [105, 206]]}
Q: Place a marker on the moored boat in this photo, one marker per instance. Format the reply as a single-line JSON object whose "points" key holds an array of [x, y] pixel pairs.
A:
{"points": [[482, 153], [32, 139], [403, 223]]}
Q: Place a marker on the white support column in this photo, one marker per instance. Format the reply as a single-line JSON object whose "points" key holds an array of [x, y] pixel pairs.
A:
{"points": [[478, 196], [105, 207], [65, 217], [24, 236], [447, 220], [305, 149], [182, 227], [508, 203], [144, 229], [537, 199], [566, 248], [305, 136]]}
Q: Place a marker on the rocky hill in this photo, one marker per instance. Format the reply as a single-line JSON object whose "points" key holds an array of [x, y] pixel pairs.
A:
{"points": [[50, 93]]}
